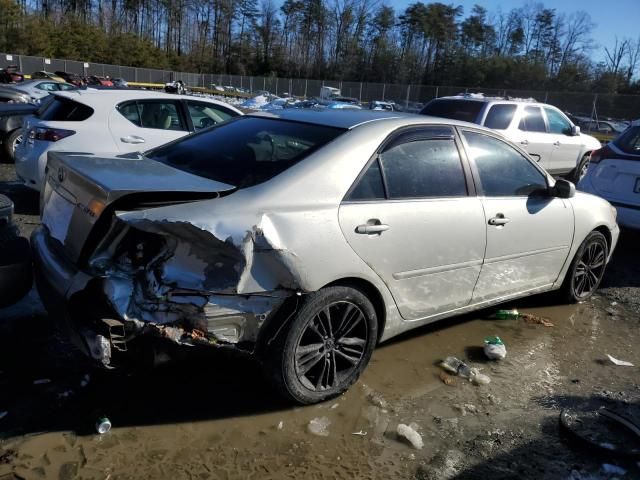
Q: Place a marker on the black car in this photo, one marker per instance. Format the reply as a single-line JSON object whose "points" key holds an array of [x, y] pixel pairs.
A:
{"points": [[11, 118]]}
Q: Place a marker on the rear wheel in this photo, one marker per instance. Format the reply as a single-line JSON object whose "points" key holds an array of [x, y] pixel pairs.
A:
{"points": [[11, 142], [326, 347], [587, 268], [581, 170]]}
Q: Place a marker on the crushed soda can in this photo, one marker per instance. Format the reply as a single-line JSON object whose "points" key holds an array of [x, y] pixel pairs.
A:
{"points": [[103, 425], [512, 314]]}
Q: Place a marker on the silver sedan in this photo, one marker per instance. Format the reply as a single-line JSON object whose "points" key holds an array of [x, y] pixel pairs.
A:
{"points": [[308, 237]]}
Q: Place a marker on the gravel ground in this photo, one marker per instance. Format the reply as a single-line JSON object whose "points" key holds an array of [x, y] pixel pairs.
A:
{"points": [[212, 415]]}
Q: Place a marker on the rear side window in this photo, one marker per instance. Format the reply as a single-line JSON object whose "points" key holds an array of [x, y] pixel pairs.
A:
{"points": [[424, 168], [499, 116], [629, 141], [532, 120], [245, 151], [159, 115], [64, 110], [464, 110], [370, 186]]}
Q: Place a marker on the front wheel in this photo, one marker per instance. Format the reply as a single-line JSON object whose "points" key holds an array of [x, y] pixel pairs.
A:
{"points": [[587, 269], [326, 347], [581, 170]]}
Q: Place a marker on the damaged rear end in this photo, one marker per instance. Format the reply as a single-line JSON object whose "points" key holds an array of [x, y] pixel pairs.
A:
{"points": [[113, 255]]}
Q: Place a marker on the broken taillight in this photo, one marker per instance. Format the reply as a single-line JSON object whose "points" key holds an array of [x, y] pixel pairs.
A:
{"points": [[49, 134]]}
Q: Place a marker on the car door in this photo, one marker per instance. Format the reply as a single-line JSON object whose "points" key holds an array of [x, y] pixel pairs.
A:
{"points": [[531, 135], [139, 125], [528, 231], [206, 114], [413, 217], [566, 147]]}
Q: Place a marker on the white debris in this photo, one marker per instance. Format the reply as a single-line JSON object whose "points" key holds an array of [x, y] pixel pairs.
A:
{"points": [[280, 425], [319, 426], [478, 378], [620, 363], [408, 433], [613, 469], [334, 406], [361, 433], [3, 414], [495, 351], [41, 381], [471, 408]]}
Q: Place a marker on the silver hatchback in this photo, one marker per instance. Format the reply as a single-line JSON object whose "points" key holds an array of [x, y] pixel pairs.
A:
{"points": [[308, 237]]}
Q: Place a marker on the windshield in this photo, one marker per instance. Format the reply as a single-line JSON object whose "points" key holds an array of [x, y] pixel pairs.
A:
{"points": [[245, 151], [463, 110]]}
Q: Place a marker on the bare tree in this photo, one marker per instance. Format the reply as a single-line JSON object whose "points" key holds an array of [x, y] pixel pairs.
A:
{"points": [[615, 55]]}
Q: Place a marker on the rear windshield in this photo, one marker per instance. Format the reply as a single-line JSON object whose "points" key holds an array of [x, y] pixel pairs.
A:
{"points": [[629, 141], [64, 110], [464, 110], [245, 151]]}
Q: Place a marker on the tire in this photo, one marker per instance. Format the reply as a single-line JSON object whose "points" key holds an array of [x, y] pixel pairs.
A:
{"points": [[310, 361], [581, 170], [10, 143], [588, 266]]}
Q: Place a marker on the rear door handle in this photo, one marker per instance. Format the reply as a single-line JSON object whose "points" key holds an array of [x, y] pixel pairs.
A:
{"points": [[371, 227], [132, 139], [499, 220], [557, 143], [524, 142]]}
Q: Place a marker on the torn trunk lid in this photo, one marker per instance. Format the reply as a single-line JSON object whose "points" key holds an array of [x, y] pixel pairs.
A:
{"points": [[82, 189]]}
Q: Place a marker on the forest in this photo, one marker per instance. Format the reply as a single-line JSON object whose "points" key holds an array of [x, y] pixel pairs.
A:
{"points": [[530, 47]]}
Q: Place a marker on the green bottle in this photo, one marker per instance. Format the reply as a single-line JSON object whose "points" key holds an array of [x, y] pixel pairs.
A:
{"points": [[507, 314]]}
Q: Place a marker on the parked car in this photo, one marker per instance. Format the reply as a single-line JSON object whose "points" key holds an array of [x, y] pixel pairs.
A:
{"points": [[542, 130], [120, 83], [103, 121], [39, 89], [380, 105], [604, 130], [11, 74], [16, 274], [44, 75], [99, 81], [306, 238], [11, 120], [614, 174], [71, 78], [8, 94]]}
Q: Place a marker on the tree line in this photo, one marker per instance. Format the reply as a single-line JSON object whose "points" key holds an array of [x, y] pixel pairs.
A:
{"points": [[530, 47]]}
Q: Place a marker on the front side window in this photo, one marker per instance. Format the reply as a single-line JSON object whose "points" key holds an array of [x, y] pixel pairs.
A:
{"points": [[424, 168], [205, 115], [557, 122], [499, 116], [503, 171], [47, 87], [245, 151], [532, 120]]}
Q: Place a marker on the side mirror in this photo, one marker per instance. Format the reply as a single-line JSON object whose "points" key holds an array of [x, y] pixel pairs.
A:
{"points": [[575, 131], [563, 189]]}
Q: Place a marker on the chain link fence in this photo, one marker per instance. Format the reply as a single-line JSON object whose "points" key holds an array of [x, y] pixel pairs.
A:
{"points": [[410, 97]]}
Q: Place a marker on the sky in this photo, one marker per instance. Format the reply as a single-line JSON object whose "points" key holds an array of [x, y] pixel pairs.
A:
{"points": [[612, 17]]}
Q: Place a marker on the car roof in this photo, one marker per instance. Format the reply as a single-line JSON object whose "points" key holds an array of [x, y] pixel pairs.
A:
{"points": [[349, 119], [479, 97]]}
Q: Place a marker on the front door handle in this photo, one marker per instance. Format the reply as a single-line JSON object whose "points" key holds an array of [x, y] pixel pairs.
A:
{"points": [[524, 142], [132, 139], [373, 226], [499, 220]]}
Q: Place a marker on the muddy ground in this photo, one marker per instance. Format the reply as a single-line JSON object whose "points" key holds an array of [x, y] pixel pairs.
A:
{"points": [[212, 415]]}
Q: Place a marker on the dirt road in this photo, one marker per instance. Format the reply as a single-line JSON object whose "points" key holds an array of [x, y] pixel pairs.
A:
{"points": [[212, 415]]}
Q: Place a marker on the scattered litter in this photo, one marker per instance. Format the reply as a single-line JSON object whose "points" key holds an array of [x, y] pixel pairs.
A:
{"points": [[360, 433], [280, 425], [3, 414], [454, 365], [85, 380], [41, 381], [620, 363], [447, 379], [531, 318], [494, 348], [506, 314], [613, 469], [470, 408], [613, 304], [374, 397], [334, 406], [319, 426], [103, 425], [408, 433]]}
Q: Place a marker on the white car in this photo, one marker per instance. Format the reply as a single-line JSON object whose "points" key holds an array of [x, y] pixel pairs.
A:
{"points": [[39, 89], [614, 174], [101, 121], [542, 130]]}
